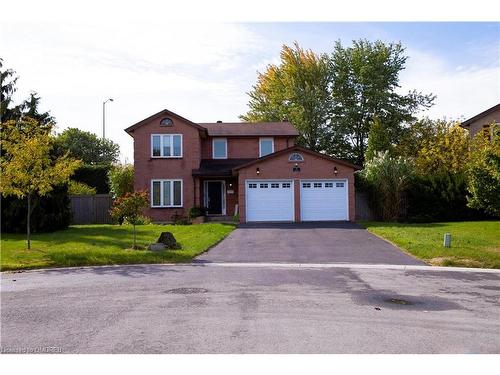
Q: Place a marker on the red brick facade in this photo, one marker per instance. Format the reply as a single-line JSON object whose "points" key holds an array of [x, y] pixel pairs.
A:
{"points": [[197, 145]]}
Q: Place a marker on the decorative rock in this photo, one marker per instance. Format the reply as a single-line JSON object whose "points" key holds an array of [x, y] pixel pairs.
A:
{"points": [[157, 247], [168, 239]]}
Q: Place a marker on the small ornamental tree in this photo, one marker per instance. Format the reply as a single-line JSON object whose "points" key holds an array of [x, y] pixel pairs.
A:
{"points": [[129, 207], [26, 164]]}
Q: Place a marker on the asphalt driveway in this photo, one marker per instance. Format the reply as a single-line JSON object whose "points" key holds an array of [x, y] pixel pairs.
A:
{"points": [[320, 242]]}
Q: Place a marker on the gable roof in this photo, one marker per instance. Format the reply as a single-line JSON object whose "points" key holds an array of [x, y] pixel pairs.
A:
{"points": [[301, 149], [246, 129], [164, 112], [480, 115]]}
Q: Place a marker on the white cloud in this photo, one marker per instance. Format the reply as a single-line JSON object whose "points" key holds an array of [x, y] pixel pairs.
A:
{"points": [[461, 91]]}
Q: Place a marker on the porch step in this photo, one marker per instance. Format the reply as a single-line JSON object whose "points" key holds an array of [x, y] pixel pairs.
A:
{"points": [[219, 218]]}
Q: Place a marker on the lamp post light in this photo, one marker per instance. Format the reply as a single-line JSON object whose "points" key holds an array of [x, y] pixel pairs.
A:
{"points": [[104, 117]]}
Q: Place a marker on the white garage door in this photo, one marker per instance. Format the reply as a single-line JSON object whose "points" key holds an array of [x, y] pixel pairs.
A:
{"points": [[269, 200], [323, 200]]}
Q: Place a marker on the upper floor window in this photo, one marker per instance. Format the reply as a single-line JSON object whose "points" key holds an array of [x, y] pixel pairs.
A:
{"points": [[166, 145], [219, 148], [266, 146], [166, 122]]}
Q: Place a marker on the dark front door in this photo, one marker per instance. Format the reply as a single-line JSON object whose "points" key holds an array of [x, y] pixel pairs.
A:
{"points": [[214, 197]]}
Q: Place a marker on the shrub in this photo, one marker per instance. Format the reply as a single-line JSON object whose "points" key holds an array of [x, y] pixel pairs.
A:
{"points": [[49, 213], [390, 177], [95, 176], [440, 197], [179, 219], [79, 188], [197, 211], [484, 175], [121, 180]]}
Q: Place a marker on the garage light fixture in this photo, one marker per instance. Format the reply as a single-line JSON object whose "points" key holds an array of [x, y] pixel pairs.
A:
{"points": [[335, 171], [257, 170], [296, 168]]}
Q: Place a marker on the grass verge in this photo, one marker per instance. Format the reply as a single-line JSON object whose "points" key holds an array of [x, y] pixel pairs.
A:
{"points": [[89, 245], [474, 243]]}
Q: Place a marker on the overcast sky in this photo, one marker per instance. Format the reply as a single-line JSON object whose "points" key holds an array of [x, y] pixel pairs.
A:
{"points": [[203, 71]]}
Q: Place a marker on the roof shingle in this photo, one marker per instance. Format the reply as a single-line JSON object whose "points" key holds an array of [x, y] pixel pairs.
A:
{"points": [[246, 129]]}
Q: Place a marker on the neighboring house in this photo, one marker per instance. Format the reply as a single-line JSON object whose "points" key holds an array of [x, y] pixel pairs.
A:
{"points": [[483, 122], [254, 170]]}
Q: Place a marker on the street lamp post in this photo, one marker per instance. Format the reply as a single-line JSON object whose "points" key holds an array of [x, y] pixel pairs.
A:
{"points": [[104, 117]]}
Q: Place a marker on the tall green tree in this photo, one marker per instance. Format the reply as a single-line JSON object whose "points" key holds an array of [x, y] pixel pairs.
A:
{"points": [[27, 166], [8, 80], [297, 89], [87, 147], [378, 140], [365, 80]]}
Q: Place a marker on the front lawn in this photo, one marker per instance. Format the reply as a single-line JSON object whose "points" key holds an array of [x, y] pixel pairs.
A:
{"points": [[473, 244], [85, 245]]}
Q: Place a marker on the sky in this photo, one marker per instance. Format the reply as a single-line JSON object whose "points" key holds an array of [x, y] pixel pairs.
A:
{"points": [[203, 71]]}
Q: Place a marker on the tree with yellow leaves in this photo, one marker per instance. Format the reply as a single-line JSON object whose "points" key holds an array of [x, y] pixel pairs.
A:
{"points": [[26, 166], [445, 150]]}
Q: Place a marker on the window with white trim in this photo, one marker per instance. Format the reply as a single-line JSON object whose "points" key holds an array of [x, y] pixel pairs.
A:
{"points": [[318, 184], [328, 184], [263, 186], [339, 184], [275, 186], [266, 146], [285, 185], [166, 145], [166, 193], [219, 148], [306, 185]]}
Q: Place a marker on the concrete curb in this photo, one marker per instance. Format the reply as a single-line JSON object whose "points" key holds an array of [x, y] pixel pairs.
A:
{"points": [[275, 265], [354, 266]]}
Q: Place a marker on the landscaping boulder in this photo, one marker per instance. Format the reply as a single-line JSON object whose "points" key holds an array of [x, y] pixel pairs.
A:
{"points": [[168, 239]]}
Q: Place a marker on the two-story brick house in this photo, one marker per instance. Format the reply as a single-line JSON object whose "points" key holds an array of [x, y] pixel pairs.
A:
{"points": [[254, 170]]}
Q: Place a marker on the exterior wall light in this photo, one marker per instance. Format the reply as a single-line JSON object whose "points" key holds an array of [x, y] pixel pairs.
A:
{"points": [[335, 171], [257, 170], [296, 168]]}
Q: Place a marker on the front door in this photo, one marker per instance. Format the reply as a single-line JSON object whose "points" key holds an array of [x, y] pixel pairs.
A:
{"points": [[214, 197]]}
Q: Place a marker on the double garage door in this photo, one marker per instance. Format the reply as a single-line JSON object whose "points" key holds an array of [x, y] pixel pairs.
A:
{"points": [[273, 200]]}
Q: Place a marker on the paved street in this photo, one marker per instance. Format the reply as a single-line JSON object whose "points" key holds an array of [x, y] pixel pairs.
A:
{"points": [[313, 242], [225, 308]]}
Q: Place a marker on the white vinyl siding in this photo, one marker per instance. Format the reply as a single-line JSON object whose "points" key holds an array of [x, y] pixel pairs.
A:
{"points": [[323, 200], [166, 193], [166, 145], [219, 148], [266, 146]]}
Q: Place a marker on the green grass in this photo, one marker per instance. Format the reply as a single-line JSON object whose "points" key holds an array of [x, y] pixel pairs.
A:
{"points": [[473, 244], [85, 245]]}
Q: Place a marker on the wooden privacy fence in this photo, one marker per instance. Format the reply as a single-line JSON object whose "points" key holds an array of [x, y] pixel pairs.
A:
{"points": [[363, 209], [91, 209]]}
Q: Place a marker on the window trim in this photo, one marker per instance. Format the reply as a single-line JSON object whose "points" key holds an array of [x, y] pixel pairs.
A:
{"points": [[260, 145], [171, 144], [213, 147], [161, 181]]}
